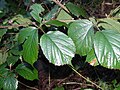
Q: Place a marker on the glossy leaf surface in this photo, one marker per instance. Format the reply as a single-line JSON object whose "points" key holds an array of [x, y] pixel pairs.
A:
{"points": [[82, 33], [107, 48], [110, 24], [57, 47], [10, 83]]}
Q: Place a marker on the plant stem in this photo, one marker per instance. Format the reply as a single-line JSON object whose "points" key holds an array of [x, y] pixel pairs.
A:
{"points": [[85, 78], [13, 26], [38, 27], [33, 88], [62, 6]]}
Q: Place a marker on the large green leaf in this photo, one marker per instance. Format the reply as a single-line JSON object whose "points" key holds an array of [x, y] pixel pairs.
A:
{"points": [[27, 73], [36, 10], [82, 33], [10, 83], [110, 24], [107, 48], [30, 46], [57, 47]]}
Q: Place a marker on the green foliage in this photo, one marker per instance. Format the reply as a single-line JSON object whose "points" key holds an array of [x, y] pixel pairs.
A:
{"points": [[8, 80], [3, 57], [30, 46], [109, 24], [82, 33], [20, 39], [63, 16], [2, 32], [56, 23], [52, 13], [10, 83], [27, 73], [107, 48], [58, 48], [36, 10], [76, 10]]}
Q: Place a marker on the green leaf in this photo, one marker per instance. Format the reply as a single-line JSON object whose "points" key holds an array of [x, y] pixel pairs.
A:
{"points": [[82, 33], [115, 12], [15, 51], [109, 24], [91, 58], [2, 4], [75, 10], [1, 82], [30, 46], [21, 20], [2, 32], [27, 2], [63, 16], [3, 75], [24, 33], [10, 83], [3, 8], [11, 60], [57, 47], [3, 56], [56, 23], [3, 72], [52, 13], [107, 48], [27, 73], [36, 10]]}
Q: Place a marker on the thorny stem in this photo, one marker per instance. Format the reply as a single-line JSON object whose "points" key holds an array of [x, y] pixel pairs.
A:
{"points": [[85, 78]]}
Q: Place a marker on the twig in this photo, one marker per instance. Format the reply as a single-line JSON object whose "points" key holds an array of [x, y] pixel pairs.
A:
{"points": [[85, 78], [15, 26], [28, 86], [12, 26], [38, 27], [62, 6]]}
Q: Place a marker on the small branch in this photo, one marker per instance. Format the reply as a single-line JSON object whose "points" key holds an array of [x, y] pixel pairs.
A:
{"points": [[28, 86], [85, 78], [38, 27], [15, 26], [62, 6]]}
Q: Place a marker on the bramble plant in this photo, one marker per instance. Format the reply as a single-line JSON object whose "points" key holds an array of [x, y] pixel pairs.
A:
{"points": [[21, 38]]}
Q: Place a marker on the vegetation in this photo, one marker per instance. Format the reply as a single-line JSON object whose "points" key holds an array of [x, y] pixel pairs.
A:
{"points": [[71, 34]]}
